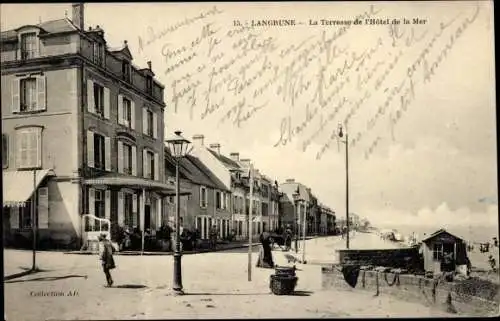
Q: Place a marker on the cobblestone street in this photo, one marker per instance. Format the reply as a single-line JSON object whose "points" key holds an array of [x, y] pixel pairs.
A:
{"points": [[215, 283]]}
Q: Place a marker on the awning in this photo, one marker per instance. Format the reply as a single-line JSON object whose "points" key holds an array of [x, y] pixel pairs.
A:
{"points": [[18, 186], [137, 183]]}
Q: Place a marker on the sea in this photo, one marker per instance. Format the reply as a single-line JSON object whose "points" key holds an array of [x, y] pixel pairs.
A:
{"points": [[473, 234]]}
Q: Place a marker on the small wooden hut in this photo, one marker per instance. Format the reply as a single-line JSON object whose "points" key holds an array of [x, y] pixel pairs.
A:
{"points": [[443, 252]]}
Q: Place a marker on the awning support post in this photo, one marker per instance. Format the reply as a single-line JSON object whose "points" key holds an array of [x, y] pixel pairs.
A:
{"points": [[33, 220], [143, 213]]}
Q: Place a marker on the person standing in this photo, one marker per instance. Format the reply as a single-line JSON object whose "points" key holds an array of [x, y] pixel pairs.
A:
{"points": [[213, 237], [106, 257], [265, 259]]}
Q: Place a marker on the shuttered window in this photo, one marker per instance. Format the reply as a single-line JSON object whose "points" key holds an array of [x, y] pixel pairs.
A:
{"points": [[5, 151], [29, 147]]}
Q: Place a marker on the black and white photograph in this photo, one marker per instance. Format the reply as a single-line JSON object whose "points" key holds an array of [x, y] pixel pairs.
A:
{"points": [[233, 160]]}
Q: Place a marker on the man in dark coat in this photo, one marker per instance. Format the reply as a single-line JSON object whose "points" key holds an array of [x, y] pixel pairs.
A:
{"points": [[106, 257], [266, 255]]}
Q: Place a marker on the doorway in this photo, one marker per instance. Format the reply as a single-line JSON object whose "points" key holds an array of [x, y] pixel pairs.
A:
{"points": [[147, 217]]}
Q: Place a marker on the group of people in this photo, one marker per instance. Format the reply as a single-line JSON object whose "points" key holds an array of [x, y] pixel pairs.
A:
{"points": [[106, 250]]}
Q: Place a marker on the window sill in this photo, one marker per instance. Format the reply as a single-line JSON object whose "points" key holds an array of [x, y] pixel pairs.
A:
{"points": [[29, 112]]}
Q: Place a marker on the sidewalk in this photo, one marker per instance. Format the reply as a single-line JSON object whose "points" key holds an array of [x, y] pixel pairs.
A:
{"points": [[220, 247]]}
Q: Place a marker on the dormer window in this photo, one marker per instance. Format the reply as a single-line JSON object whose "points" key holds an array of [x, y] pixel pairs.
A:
{"points": [[126, 70], [29, 45], [97, 53]]}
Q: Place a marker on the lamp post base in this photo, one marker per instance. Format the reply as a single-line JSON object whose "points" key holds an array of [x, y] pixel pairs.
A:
{"points": [[177, 292]]}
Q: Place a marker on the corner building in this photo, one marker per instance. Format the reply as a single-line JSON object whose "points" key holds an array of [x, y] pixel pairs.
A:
{"points": [[82, 135]]}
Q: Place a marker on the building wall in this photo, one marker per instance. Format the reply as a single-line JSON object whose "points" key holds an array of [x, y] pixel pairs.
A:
{"points": [[110, 127], [59, 121], [64, 221]]}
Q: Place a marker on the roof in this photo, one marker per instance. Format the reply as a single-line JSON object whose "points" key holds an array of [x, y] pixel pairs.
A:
{"points": [[52, 26], [193, 169], [291, 187], [229, 163], [440, 232]]}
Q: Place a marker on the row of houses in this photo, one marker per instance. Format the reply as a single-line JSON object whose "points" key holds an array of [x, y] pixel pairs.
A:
{"points": [[83, 136]]}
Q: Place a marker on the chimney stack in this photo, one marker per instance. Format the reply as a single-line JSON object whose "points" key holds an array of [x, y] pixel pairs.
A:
{"points": [[235, 157], [290, 180], [215, 147], [149, 65], [245, 162], [198, 140], [78, 15]]}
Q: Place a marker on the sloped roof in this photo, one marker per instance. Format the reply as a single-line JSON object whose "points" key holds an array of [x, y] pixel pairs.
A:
{"points": [[217, 183], [439, 232], [193, 169], [229, 163], [52, 26]]}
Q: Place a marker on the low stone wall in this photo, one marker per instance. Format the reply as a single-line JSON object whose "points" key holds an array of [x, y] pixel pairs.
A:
{"points": [[450, 296], [407, 258]]}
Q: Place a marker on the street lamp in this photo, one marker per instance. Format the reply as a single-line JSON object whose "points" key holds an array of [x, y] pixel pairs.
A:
{"points": [[296, 201], [178, 147], [346, 142]]}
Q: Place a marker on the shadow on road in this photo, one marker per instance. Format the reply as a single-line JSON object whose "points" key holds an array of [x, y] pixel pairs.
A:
{"points": [[26, 271], [49, 278], [234, 293], [130, 286], [302, 293]]}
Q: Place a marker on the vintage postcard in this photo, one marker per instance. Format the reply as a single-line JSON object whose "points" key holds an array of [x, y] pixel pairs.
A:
{"points": [[249, 160]]}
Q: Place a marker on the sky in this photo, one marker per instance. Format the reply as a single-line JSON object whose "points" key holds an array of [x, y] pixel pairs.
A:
{"points": [[434, 71]]}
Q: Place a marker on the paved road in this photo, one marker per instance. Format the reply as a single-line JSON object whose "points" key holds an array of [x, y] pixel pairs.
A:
{"points": [[215, 283]]}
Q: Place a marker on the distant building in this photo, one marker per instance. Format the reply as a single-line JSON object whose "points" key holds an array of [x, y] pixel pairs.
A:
{"points": [[82, 133], [293, 211]]}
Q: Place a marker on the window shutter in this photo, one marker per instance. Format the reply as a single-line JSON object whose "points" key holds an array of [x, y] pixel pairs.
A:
{"points": [[120, 157], [107, 204], [14, 217], [120, 109], [16, 102], [38, 137], [90, 148], [41, 85], [90, 96], [21, 147], [91, 202], [43, 207], [132, 113], [121, 206], [33, 152], [107, 103], [141, 212], [144, 121], [159, 211], [38, 52], [157, 167], [155, 126], [134, 160], [144, 163], [134, 203], [107, 153]]}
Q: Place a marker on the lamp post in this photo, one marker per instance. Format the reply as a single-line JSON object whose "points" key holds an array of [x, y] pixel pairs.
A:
{"points": [[346, 142], [296, 200], [178, 147]]}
